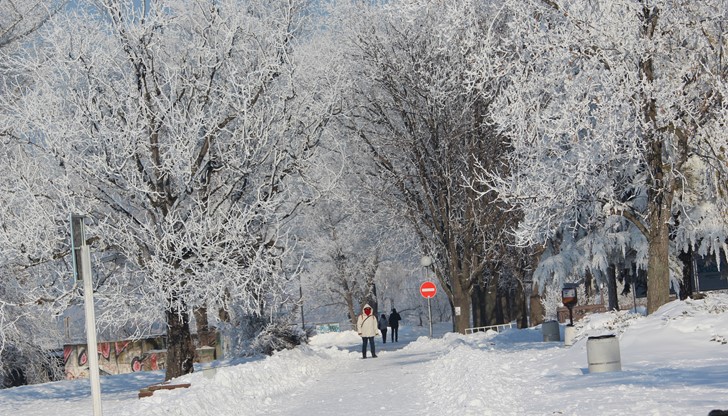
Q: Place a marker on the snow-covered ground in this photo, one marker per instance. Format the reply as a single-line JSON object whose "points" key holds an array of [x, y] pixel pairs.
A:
{"points": [[674, 362]]}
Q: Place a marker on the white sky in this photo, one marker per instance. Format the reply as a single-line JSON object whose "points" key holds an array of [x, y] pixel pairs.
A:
{"points": [[674, 362]]}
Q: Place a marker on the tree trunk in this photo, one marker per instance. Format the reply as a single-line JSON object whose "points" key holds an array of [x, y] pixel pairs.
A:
{"points": [[180, 349], [536, 307], [588, 285], [658, 270], [660, 190], [502, 300], [522, 307], [658, 276], [491, 300], [478, 303], [373, 297], [612, 300], [687, 285], [203, 328], [461, 300], [223, 314], [349, 299], [658, 234]]}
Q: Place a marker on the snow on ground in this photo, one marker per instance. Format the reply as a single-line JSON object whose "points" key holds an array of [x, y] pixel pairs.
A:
{"points": [[674, 362]]}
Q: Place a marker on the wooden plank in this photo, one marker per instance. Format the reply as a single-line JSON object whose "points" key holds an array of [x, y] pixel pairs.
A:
{"points": [[149, 390]]}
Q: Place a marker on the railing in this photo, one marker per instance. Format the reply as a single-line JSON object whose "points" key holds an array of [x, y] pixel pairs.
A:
{"points": [[496, 328]]}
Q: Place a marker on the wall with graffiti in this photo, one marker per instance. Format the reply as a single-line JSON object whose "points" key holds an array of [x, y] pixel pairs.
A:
{"points": [[117, 357]]}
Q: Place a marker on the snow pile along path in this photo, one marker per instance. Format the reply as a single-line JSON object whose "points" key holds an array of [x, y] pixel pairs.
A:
{"points": [[496, 381], [240, 389]]}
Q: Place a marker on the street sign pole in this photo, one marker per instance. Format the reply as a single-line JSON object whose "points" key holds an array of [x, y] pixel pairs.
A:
{"points": [[92, 347], [82, 266], [428, 290], [429, 312]]}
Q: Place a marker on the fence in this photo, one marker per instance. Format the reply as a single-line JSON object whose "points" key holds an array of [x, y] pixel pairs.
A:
{"points": [[496, 328]]}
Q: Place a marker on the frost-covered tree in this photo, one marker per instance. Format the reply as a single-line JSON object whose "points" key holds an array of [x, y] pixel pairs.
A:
{"points": [[183, 127], [33, 291], [343, 252], [31, 241], [616, 109], [348, 238], [412, 111]]}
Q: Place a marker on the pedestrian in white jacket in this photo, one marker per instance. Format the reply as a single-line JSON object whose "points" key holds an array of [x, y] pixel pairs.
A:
{"points": [[366, 326]]}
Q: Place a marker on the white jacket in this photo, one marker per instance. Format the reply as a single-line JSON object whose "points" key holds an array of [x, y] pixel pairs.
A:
{"points": [[366, 325]]}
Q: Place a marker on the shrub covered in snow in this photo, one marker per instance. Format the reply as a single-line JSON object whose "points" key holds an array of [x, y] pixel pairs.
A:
{"points": [[279, 335]]}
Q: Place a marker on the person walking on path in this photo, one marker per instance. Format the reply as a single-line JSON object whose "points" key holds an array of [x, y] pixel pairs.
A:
{"points": [[394, 319], [366, 326], [383, 328]]}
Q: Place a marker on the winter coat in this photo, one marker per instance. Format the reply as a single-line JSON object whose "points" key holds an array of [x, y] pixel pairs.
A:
{"points": [[394, 319], [383, 323], [366, 325]]}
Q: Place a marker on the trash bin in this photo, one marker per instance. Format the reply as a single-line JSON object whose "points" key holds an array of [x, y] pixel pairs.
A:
{"points": [[550, 330], [602, 353], [569, 335]]}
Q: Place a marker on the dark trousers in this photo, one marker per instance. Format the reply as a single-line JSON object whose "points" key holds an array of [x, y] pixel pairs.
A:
{"points": [[384, 336], [370, 340], [395, 334]]}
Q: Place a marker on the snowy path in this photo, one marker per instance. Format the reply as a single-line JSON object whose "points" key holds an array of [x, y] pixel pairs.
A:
{"points": [[390, 383], [417, 379]]}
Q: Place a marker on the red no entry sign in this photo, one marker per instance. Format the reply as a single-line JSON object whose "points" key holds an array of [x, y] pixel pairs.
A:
{"points": [[428, 290]]}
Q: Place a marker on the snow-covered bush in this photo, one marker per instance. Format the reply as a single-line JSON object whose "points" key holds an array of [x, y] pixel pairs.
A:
{"points": [[29, 366], [280, 335]]}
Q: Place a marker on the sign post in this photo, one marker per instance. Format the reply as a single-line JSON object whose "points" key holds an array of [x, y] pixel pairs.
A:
{"points": [[428, 290], [568, 298], [82, 268]]}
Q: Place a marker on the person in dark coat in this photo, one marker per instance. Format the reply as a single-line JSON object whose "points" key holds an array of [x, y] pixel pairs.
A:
{"points": [[394, 319], [383, 327]]}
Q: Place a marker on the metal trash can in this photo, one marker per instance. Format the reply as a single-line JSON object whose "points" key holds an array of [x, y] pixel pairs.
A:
{"points": [[602, 353], [550, 330]]}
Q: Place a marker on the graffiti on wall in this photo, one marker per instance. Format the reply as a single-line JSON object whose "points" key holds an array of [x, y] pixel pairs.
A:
{"points": [[116, 357]]}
